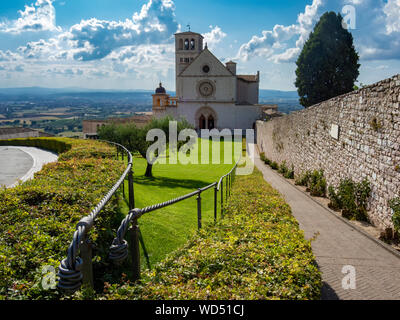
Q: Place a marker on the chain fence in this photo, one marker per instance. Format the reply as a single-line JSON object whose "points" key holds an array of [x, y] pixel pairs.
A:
{"points": [[77, 268]]}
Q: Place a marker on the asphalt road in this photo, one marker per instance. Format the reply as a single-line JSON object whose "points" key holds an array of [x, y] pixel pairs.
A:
{"points": [[21, 163], [14, 164]]}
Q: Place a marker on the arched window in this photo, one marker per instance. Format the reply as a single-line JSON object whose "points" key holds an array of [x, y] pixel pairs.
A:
{"points": [[187, 44], [211, 122], [158, 102], [192, 44], [181, 44], [202, 122]]}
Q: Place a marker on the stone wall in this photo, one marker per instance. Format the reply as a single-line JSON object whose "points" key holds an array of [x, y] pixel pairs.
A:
{"points": [[367, 144], [18, 133], [90, 127]]}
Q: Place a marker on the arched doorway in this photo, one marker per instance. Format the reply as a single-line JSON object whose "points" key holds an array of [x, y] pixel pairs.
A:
{"points": [[211, 122], [202, 122], [206, 118]]}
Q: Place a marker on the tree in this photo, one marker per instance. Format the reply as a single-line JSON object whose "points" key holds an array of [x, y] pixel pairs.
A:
{"points": [[134, 138], [328, 64]]}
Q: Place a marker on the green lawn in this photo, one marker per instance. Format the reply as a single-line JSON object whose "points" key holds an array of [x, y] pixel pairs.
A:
{"points": [[167, 229], [257, 252]]}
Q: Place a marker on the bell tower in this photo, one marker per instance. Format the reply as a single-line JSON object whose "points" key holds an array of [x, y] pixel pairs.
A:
{"points": [[188, 45]]}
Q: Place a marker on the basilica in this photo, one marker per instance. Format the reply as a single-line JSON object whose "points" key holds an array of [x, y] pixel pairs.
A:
{"points": [[209, 94]]}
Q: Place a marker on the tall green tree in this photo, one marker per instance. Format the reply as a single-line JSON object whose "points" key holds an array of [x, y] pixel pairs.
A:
{"points": [[328, 65], [134, 138]]}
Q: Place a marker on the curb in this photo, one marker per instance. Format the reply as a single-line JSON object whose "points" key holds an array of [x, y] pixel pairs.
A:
{"points": [[377, 241], [36, 166]]}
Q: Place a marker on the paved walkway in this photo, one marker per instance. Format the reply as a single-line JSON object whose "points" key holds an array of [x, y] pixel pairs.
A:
{"points": [[339, 245], [21, 163]]}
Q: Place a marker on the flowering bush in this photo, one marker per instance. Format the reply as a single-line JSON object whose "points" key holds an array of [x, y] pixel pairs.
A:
{"points": [[38, 218]]}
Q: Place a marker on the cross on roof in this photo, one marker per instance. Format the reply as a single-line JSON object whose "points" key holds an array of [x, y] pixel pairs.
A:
{"points": [[188, 26]]}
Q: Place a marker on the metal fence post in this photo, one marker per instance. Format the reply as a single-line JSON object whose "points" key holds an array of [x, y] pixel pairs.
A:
{"points": [[87, 266], [222, 199], [135, 250], [226, 190], [123, 188], [229, 182], [215, 202], [131, 191], [199, 210]]}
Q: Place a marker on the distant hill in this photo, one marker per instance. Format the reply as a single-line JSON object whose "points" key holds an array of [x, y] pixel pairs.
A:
{"points": [[287, 101], [48, 91], [276, 95]]}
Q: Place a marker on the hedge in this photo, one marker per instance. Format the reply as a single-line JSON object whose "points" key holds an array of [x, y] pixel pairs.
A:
{"points": [[256, 252], [38, 218], [50, 144]]}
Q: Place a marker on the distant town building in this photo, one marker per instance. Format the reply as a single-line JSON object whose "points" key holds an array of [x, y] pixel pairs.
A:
{"points": [[16, 133], [91, 127]]}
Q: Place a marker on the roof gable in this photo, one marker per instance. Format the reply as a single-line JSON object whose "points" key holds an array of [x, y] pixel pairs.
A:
{"points": [[248, 78], [217, 68]]}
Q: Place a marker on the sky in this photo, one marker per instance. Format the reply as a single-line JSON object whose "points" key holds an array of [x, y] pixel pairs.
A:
{"points": [[129, 44]]}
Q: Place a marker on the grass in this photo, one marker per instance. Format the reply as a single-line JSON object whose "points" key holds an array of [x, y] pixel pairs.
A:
{"points": [[256, 252], [169, 228]]}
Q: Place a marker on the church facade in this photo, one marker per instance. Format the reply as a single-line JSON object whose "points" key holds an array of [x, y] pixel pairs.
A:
{"points": [[209, 94]]}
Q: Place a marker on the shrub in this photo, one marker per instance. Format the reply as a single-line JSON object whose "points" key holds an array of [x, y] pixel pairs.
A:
{"points": [[314, 181], [274, 165], [303, 179], [317, 184], [38, 218], [395, 206], [335, 203], [265, 159], [256, 252], [376, 124], [283, 168], [289, 173], [351, 198]]}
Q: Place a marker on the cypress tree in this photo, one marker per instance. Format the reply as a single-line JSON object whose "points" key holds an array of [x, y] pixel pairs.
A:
{"points": [[328, 64]]}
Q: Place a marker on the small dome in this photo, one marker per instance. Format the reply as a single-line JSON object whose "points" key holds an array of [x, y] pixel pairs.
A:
{"points": [[161, 89]]}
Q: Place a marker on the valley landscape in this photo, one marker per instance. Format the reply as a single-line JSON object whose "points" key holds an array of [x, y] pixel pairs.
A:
{"points": [[61, 111]]}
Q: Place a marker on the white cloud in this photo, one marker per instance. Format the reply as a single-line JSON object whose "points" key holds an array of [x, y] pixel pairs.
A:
{"points": [[142, 47], [95, 39], [19, 68], [42, 49], [215, 36], [40, 16], [9, 56], [392, 12], [376, 37], [139, 46], [144, 59], [272, 42]]}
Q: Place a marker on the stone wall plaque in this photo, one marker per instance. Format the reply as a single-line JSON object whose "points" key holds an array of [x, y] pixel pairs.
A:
{"points": [[335, 131]]}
